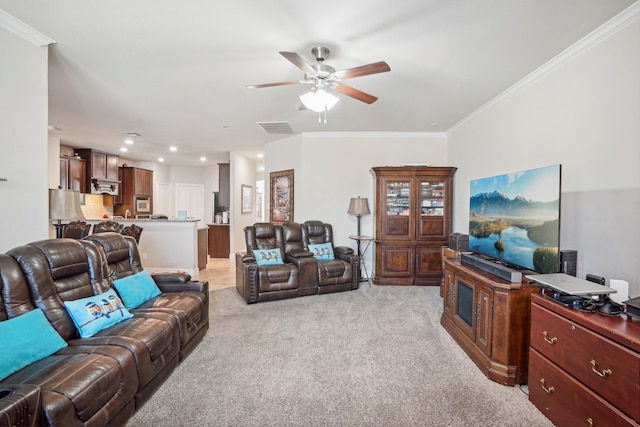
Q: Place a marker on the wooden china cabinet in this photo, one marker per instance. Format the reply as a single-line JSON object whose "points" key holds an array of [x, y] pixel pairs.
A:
{"points": [[413, 207]]}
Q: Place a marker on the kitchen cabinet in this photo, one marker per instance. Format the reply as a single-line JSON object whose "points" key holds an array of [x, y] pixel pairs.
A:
{"points": [[134, 182], [413, 207], [73, 174], [142, 182], [101, 171], [219, 241]]}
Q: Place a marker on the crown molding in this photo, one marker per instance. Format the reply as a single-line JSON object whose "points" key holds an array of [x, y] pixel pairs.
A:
{"points": [[28, 33], [372, 134], [606, 30]]}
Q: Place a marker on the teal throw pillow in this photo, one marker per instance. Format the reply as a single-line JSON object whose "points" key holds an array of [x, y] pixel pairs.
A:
{"points": [[137, 289], [95, 313], [322, 252], [26, 339], [268, 257]]}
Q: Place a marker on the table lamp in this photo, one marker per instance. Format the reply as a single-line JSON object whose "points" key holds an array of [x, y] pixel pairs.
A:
{"points": [[64, 205]]}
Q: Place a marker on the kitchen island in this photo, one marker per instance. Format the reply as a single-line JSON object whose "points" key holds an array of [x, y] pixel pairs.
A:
{"points": [[165, 244]]}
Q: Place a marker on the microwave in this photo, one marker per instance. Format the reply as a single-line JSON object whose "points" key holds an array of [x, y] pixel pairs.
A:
{"points": [[143, 205]]}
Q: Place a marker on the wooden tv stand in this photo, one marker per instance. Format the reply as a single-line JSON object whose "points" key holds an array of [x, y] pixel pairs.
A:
{"points": [[489, 318]]}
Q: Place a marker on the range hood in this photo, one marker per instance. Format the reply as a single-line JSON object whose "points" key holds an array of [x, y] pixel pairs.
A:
{"points": [[104, 186]]}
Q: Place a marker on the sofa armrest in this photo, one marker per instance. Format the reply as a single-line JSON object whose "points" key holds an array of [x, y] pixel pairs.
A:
{"points": [[20, 405], [245, 257], [194, 286], [247, 277], [171, 277], [343, 250], [292, 256]]}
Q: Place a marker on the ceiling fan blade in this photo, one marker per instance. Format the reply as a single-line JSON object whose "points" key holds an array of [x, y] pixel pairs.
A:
{"points": [[291, 82], [355, 93], [363, 70], [299, 62]]}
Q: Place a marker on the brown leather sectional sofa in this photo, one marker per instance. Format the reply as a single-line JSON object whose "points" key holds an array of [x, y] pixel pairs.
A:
{"points": [[300, 273], [100, 380]]}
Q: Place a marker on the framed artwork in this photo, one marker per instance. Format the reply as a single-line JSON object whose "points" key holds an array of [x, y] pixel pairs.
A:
{"points": [[247, 198], [281, 196]]}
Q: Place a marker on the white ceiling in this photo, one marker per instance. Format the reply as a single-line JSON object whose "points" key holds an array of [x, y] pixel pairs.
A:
{"points": [[176, 72]]}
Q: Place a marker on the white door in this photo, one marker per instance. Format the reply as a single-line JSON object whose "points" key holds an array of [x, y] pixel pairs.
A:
{"points": [[190, 198], [162, 199]]}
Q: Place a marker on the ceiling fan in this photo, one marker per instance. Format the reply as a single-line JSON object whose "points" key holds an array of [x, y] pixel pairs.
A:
{"points": [[322, 77]]}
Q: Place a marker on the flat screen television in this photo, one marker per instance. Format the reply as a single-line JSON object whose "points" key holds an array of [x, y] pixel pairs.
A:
{"points": [[515, 218]]}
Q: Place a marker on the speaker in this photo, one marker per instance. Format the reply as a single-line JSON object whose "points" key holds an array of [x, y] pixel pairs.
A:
{"points": [[459, 242], [568, 262], [492, 267]]}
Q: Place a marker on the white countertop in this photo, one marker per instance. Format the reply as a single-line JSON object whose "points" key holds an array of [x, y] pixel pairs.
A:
{"points": [[142, 220]]}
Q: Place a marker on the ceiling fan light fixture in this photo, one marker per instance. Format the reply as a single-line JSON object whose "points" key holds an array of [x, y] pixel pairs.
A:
{"points": [[319, 100]]}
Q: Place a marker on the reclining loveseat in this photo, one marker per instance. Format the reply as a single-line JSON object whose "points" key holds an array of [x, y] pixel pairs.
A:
{"points": [[291, 259], [63, 369]]}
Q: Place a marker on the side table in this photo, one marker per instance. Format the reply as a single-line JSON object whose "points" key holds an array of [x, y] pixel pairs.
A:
{"points": [[361, 253]]}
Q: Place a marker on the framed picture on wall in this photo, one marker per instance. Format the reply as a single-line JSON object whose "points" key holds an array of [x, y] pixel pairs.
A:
{"points": [[281, 196], [246, 194]]}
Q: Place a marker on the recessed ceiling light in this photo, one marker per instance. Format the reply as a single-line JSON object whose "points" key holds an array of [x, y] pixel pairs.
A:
{"points": [[261, 168], [128, 141], [173, 148], [260, 155], [203, 159], [160, 159], [124, 149]]}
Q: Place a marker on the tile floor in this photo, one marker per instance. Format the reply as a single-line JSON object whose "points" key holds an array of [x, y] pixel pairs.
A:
{"points": [[220, 273]]}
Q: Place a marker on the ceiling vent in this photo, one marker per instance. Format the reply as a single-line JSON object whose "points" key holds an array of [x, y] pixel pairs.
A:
{"points": [[276, 127]]}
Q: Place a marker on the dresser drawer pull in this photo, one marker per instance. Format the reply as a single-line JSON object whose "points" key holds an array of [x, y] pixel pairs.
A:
{"points": [[590, 422], [549, 340], [549, 389], [604, 373]]}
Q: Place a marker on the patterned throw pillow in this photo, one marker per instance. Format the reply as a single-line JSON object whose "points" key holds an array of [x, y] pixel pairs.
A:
{"points": [[26, 339], [95, 313], [268, 257], [322, 252]]}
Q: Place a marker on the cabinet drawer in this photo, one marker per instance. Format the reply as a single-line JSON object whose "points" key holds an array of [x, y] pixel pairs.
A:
{"points": [[607, 368], [565, 401]]}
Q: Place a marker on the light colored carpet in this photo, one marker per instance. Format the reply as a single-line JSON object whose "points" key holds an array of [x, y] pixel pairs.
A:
{"points": [[371, 357]]}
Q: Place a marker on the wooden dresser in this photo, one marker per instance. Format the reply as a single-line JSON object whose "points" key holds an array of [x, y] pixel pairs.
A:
{"points": [[584, 368]]}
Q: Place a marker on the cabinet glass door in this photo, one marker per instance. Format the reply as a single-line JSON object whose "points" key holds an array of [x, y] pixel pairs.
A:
{"points": [[398, 198], [398, 216], [432, 198]]}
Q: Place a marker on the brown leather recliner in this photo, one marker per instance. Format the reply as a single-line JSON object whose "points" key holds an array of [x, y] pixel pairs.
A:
{"points": [[77, 385], [60, 270], [186, 300], [339, 274], [265, 283]]}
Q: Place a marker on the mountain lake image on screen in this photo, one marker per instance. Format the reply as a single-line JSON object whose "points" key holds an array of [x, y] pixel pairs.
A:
{"points": [[515, 218]]}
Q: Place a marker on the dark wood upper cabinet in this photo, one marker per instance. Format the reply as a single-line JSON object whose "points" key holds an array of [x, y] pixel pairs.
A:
{"points": [[73, 174]]}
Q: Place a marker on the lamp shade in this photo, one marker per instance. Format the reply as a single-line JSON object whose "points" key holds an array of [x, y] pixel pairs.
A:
{"points": [[319, 100], [64, 204], [358, 206]]}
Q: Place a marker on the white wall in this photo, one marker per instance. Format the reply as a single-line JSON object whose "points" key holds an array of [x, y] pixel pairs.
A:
{"points": [[585, 115], [242, 171], [331, 168], [23, 127]]}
